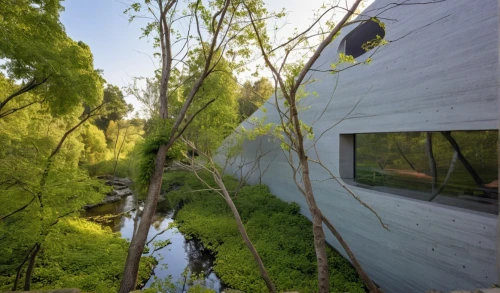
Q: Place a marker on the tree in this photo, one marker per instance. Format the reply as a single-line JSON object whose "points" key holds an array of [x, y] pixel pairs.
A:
{"points": [[289, 79], [117, 107], [39, 54], [211, 167], [148, 96], [224, 35], [95, 148], [252, 96], [40, 183], [220, 118]]}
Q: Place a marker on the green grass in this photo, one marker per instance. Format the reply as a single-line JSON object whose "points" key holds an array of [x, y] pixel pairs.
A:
{"points": [[281, 235]]}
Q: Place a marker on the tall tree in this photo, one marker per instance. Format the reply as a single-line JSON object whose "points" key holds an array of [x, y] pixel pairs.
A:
{"points": [[223, 33], [290, 78], [39, 54], [117, 107], [220, 118]]}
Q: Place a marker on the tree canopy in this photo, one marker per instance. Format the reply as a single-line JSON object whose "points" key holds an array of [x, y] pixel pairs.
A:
{"points": [[40, 56]]}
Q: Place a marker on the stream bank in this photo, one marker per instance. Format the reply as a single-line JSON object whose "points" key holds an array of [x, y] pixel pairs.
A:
{"points": [[175, 258]]}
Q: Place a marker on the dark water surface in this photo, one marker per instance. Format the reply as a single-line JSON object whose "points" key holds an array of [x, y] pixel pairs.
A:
{"points": [[174, 258]]}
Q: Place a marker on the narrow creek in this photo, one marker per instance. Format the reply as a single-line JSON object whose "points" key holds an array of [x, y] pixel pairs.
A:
{"points": [[173, 259]]}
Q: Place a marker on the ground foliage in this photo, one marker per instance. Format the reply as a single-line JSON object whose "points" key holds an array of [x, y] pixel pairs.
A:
{"points": [[281, 235], [81, 254]]}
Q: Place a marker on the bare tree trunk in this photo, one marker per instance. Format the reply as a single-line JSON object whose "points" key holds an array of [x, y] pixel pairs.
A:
{"points": [[404, 157], [120, 149], [366, 279], [448, 175], [138, 241], [467, 165], [307, 191], [432, 161], [319, 235], [129, 279], [114, 148], [244, 235], [31, 265], [20, 267]]}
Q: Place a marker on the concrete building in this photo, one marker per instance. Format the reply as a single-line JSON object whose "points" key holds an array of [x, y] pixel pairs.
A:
{"points": [[438, 73]]}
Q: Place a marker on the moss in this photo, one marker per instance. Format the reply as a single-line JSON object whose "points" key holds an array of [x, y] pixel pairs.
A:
{"points": [[281, 235]]}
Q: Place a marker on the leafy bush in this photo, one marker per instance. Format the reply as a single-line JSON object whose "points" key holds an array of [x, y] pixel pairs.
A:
{"points": [[281, 235], [123, 168]]}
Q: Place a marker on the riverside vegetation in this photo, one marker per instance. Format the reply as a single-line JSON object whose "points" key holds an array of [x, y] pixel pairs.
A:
{"points": [[279, 232], [62, 124]]}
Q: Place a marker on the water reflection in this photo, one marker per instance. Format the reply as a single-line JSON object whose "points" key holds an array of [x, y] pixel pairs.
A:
{"points": [[174, 258]]}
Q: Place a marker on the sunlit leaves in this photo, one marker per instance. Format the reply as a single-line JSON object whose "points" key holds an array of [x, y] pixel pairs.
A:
{"points": [[36, 47]]}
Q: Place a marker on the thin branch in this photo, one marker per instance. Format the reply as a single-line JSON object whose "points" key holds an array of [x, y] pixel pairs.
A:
{"points": [[347, 189], [32, 84], [18, 210]]}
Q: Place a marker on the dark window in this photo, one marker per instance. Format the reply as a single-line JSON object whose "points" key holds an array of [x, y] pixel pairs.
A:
{"points": [[458, 168], [362, 39]]}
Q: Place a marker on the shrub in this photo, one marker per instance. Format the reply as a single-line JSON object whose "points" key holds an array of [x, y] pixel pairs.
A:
{"points": [[123, 168]]}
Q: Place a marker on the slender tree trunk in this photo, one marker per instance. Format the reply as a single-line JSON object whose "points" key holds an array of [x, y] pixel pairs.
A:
{"points": [[31, 266], [467, 165], [448, 175], [114, 148], [366, 279], [244, 235], [138, 242], [404, 157], [139, 239], [432, 161], [319, 234], [119, 150], [20, 267]]}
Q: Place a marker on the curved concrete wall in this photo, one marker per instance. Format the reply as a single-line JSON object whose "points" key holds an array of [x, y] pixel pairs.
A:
{"points": [[438, 72]]}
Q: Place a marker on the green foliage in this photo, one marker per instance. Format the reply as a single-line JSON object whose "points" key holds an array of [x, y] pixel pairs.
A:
{"points": [[81, 254], [124, 168], [35, 47], [218, 119], [46, 192], [148, 149], [117, 108], [95, 148], [280, 234], [252, 96], [122, 136]]}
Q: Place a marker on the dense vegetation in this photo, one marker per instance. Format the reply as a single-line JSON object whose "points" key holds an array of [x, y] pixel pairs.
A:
{"points": [[42, 195], [282, 236], [62, 125], [82, 254]]}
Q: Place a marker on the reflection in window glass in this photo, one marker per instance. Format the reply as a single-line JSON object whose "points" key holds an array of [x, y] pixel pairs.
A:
{"points": [[458, 168]]}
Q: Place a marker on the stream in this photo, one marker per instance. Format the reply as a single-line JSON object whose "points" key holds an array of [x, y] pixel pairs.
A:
{"points": [[175, 257]]}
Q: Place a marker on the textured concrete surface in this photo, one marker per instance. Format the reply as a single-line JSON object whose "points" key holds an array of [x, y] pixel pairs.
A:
{"points": [[438, 72]]}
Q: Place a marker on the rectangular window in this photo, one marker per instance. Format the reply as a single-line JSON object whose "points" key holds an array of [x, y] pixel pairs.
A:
{"points": [[458, 168]]}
